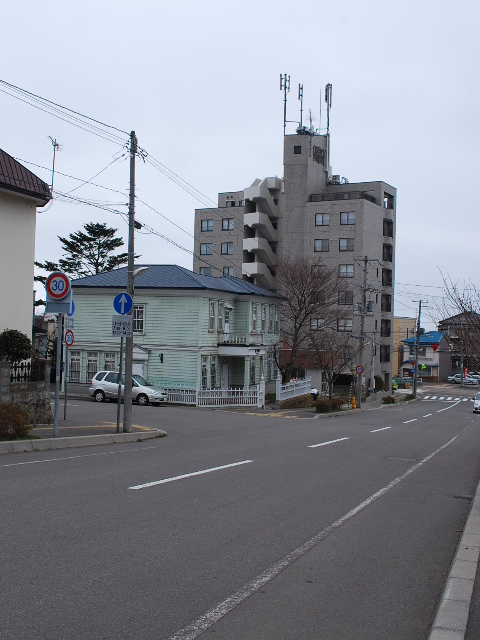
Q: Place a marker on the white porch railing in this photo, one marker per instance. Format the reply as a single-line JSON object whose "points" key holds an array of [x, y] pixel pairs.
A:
{"points": [[292, 389], [253, 397]]}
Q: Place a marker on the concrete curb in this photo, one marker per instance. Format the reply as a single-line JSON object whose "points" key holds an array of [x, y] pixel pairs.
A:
{"points": [[452, 614], [46, 444]]}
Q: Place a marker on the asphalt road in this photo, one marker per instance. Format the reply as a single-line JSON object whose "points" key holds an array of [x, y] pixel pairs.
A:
{"points": [[240, 527]]}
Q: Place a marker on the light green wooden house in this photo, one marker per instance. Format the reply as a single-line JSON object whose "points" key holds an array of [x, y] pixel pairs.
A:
{"points": [[189, 330]]}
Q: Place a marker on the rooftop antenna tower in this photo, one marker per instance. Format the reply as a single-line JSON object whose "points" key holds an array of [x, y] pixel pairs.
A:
{"points": [[56, 147], [328, 100], [285, 87], [300, 97]]}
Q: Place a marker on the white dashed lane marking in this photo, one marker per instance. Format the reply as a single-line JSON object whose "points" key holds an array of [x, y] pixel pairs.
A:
{"points": [[323, 444], [382, 429]]}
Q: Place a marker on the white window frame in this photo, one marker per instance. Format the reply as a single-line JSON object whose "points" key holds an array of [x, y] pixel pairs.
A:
{"points": [[206, 225], [227, 224], [110, 361], [138, 319], [75, 357], [264, 318], [221, 314], [277, 320], [271, 314], [211, 315], [254, 317], [206, 249]]}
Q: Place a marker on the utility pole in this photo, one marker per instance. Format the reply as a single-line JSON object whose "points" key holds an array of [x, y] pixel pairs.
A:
{"points": [[373, 363], [285, 87], [417, 342], [363, 312], [127, 406]]}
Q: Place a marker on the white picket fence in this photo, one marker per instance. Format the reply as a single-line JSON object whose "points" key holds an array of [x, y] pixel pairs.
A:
{"points": [[292, 389], [253, 397]]}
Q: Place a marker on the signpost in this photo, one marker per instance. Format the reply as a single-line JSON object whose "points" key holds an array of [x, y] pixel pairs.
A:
{"points": [[121, 327]]}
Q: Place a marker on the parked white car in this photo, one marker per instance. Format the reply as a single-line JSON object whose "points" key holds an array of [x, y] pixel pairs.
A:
{"points": [[105, 385], [457, 379], [476, 403]]}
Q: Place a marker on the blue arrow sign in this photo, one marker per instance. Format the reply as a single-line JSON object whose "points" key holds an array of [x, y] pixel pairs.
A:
{"points": [[123, 303], [73, 309]]}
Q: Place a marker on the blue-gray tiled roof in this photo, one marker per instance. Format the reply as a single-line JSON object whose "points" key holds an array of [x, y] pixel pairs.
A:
{"points": [[171, 276]]}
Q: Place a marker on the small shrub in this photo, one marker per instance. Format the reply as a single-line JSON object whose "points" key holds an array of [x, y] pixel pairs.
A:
{"points": [[410, 396], [300, 402], [379, 383], [14, 422], [322, 406], [407, 385], [337, 403], [388, 400]]}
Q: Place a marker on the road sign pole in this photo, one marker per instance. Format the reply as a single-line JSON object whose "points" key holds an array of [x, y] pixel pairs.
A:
{"points": [[57, 374], [65, 384], [119, 395]]}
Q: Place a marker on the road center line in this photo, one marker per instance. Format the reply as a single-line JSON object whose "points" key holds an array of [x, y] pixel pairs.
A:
{"points": [[207, 620], [189, 475], [382, 429], [427, 415], [413, 420], [322, 444]]}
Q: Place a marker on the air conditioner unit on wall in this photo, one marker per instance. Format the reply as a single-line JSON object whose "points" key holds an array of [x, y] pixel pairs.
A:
{"points": [[336, 179]]}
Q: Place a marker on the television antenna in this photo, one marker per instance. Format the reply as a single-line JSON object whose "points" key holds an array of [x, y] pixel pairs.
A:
{"points": [[285, 87], [56, 147]]}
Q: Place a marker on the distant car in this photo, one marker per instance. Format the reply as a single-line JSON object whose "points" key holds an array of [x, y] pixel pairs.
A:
{"points": [[457, 379], [476, 403], [104, 386]]}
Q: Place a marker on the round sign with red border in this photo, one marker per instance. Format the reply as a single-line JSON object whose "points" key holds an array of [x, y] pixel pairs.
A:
{"points": [[69, 338], [57, 285], [359, 369]]}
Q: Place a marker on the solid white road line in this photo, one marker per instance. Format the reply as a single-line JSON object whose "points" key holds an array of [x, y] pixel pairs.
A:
{"points": [[322, 444], [382, 429], [428, 415], [450, 407], [85, 455], [414, 420], [189, 475], [207, 620]]}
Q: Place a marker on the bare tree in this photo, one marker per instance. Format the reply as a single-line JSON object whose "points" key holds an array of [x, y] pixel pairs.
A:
{"points": [[309, 311]]}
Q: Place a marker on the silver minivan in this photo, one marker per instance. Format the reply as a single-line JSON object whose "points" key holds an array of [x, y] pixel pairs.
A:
{"points": [[104, 386]]}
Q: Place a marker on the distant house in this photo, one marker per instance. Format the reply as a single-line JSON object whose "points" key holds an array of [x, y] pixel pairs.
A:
{"points": [[189, 330], [434, 363], [463, 334], [403, 328], [21, 192]]}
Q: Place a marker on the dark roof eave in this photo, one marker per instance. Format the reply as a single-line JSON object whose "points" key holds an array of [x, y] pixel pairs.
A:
{"points": [[39, 200]]}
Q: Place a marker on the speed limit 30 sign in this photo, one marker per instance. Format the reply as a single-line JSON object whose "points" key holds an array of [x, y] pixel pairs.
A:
{"points": [[69, 338], [57, 285]]}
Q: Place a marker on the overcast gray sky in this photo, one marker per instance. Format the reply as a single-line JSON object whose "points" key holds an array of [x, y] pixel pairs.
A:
{"points": [[199, 83]]}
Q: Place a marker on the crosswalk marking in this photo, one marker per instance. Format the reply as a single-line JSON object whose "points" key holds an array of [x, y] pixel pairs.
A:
{"points": [[442, 398], [434, 397], [426, 397], [449, 398]]}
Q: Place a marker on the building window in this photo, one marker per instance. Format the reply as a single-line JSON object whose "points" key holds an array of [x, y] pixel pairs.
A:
{"points": [[221, 313], [344, 324], [252, 370], [277, 320], [213, 372], [385, 328], [387, 254], [317, 324], [264, 318], [321, 245], [110, 364], [345, 297], [205, 271], [74, 371], [345, 244], [254, 317], [271, 313], [207, 225], [206, 249], [345, 270], [318, 270], [386, 277], [241, 203], [347, 217], [211, 320], [227, 248], [297, 149], [230, 203], [384, 353], [204, 372], [322, 219], [227, 224], [92, 364], [228, 271], [388, 228], [138, 325], [386, 302], [317, 297]]}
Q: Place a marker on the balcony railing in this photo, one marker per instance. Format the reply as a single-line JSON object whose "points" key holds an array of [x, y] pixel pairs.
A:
{"points": [[240, 338], [343, 195]]}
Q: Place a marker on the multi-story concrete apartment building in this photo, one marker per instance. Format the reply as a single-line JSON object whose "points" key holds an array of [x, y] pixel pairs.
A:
{"points": [[311, 213]]}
